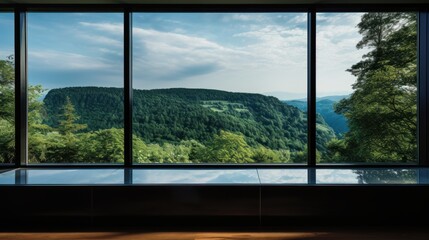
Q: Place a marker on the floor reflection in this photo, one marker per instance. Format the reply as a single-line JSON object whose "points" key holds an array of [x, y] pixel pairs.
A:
{"points": [[304, 176]]}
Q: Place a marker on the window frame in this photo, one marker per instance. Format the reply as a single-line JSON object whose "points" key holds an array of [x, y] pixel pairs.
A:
{"points": [[21, 79]]}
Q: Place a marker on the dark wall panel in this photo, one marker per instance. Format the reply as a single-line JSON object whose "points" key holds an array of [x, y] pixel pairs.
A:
{"points": [[179, 205], [405, 205], [40, 205]]}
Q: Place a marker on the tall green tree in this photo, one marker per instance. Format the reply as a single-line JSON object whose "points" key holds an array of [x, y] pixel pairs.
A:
{"points": [[382, 111], [68, 119]]}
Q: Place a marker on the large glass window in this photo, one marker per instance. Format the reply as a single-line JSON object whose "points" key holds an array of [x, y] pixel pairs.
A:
{"points": [[7, 89], [367, 87], [214, 88], [75, 92]]}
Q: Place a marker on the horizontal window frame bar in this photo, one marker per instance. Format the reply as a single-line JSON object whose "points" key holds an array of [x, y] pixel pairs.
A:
{"points": [[217, 166], [217, 8]]}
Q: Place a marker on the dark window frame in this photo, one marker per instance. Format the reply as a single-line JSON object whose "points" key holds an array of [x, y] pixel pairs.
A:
{"points": [[20, 26]]}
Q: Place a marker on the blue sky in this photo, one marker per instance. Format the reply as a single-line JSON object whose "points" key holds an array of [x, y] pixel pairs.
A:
{"points": [[259, 53], [6, 35]]}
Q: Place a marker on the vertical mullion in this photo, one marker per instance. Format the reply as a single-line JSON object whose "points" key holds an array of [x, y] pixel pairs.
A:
{"points": [[423, 77], [311, 176], [311, 88], [21, 177], [423, 174], [128, 90], [21, 105]]}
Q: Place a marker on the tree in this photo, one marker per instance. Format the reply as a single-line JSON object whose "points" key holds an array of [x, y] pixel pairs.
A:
{"points": [[228, 147], [7, 89], [382, 111], [48, 144], [102, 146], [262, 154], [7, 111], [68, 123]]}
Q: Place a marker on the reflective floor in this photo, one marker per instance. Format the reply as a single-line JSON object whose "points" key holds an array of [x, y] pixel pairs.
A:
{"points": [[410, 176]]}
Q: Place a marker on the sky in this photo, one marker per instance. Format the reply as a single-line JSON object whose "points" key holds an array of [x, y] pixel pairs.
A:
{"points": [[238, 52], [6, 35]]}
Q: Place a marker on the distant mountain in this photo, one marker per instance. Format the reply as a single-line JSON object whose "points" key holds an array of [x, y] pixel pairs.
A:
{"points": [[325, 107], [336, 98], [174, 115], [286, 95]]}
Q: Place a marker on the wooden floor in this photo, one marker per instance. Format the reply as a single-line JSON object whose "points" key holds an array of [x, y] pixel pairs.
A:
{"points": [[291, 235]]}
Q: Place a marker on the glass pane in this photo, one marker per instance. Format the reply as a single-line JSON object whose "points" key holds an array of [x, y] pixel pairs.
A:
{"points": [[213, 88], [74, 176], [195, 176], [75, 88], [7, 89], [283, 176], [7, 177], [367, 87], [367, 176]]}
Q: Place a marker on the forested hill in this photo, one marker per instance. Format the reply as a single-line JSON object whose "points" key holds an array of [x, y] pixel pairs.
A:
{"points": [[173, 115]]}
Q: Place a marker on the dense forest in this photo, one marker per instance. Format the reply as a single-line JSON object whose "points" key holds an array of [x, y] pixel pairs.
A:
{"points": [[85, 124], [174, 115]]}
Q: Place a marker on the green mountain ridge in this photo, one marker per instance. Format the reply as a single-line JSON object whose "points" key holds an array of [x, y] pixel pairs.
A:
{"points": [[174, 115]]}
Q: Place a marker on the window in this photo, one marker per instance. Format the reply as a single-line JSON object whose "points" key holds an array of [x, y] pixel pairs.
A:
{"points": [[367, 86], [211, 86], [7, 89], [75, 72], [214, 87]]}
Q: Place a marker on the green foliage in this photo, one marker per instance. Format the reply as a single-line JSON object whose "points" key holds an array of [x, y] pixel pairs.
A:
{"points": [[302, 156], [7, 111], [70, 142], [98, 108], [262, 154], [382, 111], [7, 141], [227, 147], [102, 146], [84, 124], [7, 89], [176, 115], [67, 124]]}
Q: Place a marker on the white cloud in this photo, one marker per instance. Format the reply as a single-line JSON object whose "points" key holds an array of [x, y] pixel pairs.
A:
{"points": [[166, 55], [102, 40], [276, 60], [246, 17], [300, 18], [66, 61], [269, 57], [278, 45], [337, 37], [112, 28], [107, 35]]}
